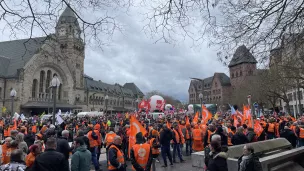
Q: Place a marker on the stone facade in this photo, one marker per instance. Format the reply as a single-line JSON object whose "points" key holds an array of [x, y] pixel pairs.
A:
{"points": [[220, 88], [62, 54]]}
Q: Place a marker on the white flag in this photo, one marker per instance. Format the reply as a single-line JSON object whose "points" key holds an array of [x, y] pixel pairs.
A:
{"points": [[59, 119]]}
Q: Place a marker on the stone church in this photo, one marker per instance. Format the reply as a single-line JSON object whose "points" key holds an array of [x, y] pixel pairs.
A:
{"points": [[28, 66], [219, 88]]}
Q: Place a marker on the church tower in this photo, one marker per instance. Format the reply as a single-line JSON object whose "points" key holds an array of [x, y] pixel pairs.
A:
{"points": [[241, 66], [68, 36]]}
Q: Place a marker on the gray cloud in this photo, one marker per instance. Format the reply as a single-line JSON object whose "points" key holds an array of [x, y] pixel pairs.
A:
{"points": [[135, 57]]}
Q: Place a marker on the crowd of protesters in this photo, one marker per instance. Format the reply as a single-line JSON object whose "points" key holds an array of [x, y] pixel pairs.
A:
{"points": [[33, 144]]}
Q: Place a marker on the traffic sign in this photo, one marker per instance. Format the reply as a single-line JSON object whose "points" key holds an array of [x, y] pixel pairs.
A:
{"points": [[256, 105]]}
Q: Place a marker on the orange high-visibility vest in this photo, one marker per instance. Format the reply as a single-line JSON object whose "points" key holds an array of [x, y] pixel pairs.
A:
{"points": [[141, 154], [277, 132], [176, 136], [209, 136], [187, 134], [154, 150], [6, 134], [93, 143], [229, 137], [110, 138], [197, 134], [120, 158], [34, 129], [271, 127], [301, 135], [6, 154]]}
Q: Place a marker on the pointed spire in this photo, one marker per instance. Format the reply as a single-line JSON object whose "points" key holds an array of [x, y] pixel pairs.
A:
{"points": [[242, 55], [68, 16]]}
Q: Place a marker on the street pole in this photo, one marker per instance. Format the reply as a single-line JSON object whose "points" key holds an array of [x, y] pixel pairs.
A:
{"points": [[54, 107], [49, 101], [12, 107], [201, 107], [249, 104]]}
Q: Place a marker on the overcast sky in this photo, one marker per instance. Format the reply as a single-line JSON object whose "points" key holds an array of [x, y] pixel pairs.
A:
{"points": [[133, 56]]}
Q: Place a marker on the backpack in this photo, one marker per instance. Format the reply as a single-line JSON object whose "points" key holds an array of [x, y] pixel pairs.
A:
{"points": [[94, 135]]}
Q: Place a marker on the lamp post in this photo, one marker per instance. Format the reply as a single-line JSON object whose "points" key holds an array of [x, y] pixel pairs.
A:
{"points": [[200, 96], [13, 94], [106, 100], [93, 95], [136, 103], [249, 104], [54, 84]]}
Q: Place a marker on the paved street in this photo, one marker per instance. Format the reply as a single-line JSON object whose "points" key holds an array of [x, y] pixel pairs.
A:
{"points": [[186, 166]]}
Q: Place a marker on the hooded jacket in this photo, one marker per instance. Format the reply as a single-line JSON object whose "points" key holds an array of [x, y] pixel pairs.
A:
{"points": [[81, 159], [251, 164], [218, 162]]}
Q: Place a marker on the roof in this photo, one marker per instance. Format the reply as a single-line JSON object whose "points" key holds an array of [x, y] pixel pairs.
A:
{"points": [[208, 81], [68, 16], [134, 89], [242, 55], [113, 89], [224, 79], [16, 53]]}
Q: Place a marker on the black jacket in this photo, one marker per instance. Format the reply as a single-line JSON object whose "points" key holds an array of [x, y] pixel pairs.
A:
{"points": [[290, 136], [29, 139], [63, 147], [251, 136], [239, 138], [251, 164], [50, 160], [218, 162], [112, 156], [166, 135]]}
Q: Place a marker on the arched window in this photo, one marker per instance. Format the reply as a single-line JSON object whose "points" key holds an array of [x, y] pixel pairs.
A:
{"points": [[236, 74], [41, 81], [241, 73], [59, 91], [232, 75], [34, 88], [48, 81]]}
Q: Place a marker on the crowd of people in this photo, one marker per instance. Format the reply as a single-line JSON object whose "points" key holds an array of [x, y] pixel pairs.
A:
{"points": [[38, 145]]}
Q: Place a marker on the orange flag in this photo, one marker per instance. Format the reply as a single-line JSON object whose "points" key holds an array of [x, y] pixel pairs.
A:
{"points": [[247, 116], [187, 120], [258, 129], [195, 119], [206, 115], [135, 127]]}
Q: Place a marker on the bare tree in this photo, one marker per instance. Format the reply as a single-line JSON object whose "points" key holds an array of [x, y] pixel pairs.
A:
{"points": [[29, 17], [260, 25]]}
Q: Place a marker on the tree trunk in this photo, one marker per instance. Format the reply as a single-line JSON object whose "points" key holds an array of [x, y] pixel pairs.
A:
{"points": [[298, 93]]}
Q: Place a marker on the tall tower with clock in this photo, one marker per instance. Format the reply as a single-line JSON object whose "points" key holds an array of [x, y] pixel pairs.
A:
{"points": [[68, 36]]}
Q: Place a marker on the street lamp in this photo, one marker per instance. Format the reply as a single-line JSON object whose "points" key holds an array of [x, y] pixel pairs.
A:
{"points": [[106, 100], [200, 96], [93, 95], [249, 104], [13, 95], [136, 103], [54, 84]]}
